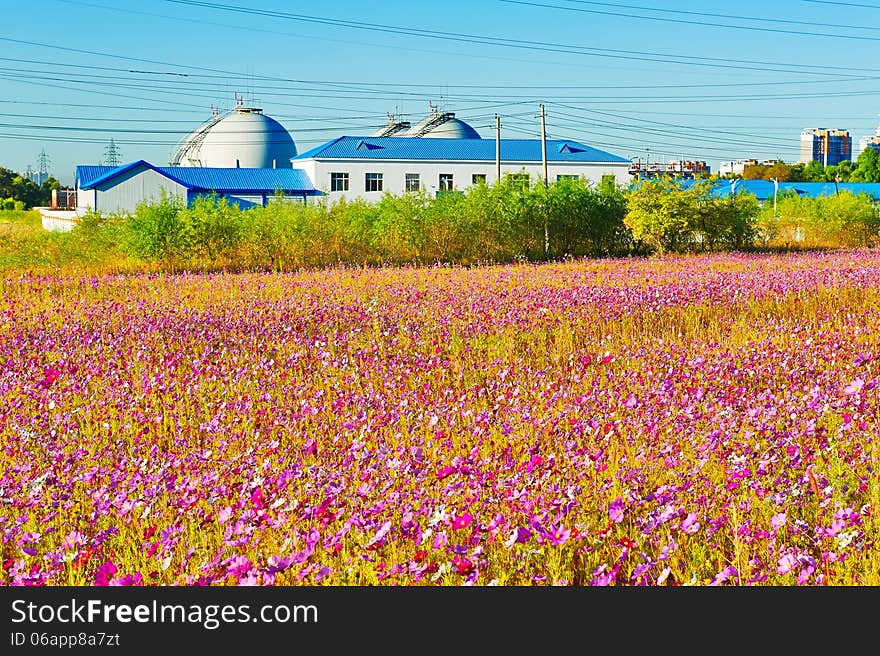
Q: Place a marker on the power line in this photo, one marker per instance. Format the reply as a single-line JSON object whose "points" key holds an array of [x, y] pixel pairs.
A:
{"points": [[485, 39], [683, 12], [687, 22]]}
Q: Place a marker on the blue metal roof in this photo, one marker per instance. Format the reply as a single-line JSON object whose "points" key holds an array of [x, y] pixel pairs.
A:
{"points": [[85, 173], [763, 189], [415, 148], [221, 180]]}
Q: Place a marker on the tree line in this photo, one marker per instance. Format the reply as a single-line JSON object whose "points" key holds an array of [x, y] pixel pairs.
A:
{"points": [[866, 168], [513, 220], [20, 193]]}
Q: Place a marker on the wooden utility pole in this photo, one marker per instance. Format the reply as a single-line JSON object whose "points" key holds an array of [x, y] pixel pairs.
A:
{"points": [[546, 182], [497, 148]]}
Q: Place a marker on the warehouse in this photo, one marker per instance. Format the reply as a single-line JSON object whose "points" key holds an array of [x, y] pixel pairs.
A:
{"points": [[368, 167], [109, 189]]}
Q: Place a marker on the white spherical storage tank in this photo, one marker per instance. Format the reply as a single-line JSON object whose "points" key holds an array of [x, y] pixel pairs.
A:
{"points": [[243, 138]]}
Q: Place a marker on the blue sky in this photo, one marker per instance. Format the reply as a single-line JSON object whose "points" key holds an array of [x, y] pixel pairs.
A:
{"points": [[709, 81]]}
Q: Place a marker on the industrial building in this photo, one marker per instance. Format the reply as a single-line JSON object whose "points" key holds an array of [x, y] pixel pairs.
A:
{"points": [[248, 158], [109, 189], [368, 167], [676, 168], [828, 147]]}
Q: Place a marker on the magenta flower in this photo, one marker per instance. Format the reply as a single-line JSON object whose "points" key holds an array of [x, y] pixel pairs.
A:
{"points": [[128, 580], [239, 566], [443, 472], [602, 576], [778, 520], [462, 521], [689, 524], [558, 535], [279, 563], [104, 573], [786, 563], [379, 537], [729, 572], [520, 535], [615, 511], [73, 540]]}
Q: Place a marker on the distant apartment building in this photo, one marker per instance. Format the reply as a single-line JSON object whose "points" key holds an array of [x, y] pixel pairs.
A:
{"points": [[826, 146], [676, 168], [871, 141], [737, 167]]}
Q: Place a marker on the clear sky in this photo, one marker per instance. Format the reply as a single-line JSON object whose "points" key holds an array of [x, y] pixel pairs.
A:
{"points": [[664, 79]]}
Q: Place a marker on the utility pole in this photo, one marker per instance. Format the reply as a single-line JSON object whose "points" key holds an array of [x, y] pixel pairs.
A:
{"points": [[497, 149], [775, 193], [544, 164]]}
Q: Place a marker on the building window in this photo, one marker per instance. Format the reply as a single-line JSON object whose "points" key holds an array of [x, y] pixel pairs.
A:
{"points": [[339, 182], [446, 183], [560, 178], [413, 182], [373, 182], [478, 178]]}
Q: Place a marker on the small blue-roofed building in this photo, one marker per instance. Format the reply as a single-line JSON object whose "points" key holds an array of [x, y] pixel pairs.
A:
{"points": [[111, 189], [368, 167]]}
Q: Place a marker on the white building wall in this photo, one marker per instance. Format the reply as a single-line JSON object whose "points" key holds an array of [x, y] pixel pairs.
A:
{"points": [[394, 174], [123, 193], [85, 200]]}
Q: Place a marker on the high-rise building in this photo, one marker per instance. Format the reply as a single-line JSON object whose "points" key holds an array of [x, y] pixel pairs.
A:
{"points": [[871, 141], [826, 146]]}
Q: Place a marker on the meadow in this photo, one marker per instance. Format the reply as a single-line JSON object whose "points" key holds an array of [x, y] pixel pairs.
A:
{"points": [[678, 420]]}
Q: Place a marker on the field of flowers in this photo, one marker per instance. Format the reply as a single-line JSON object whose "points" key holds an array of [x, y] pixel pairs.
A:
{"points": [[670, 421]]}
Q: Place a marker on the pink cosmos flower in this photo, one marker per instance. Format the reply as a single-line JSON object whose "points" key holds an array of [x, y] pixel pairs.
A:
{"points": [[443, 472], [689, 524], [380, 534], [73, 540], [854, 387], [729, 572], [558, 535], [462, 521], [279, 563], [104, 573], [602, 576], [615, 510], [520, 535], [664, 575], [778, 520], [127, 580], [786, 563], [239, 566]]}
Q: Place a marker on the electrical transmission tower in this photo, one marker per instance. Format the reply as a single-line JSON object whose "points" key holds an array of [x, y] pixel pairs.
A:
{"points": [[43, 162], [112, 154]]}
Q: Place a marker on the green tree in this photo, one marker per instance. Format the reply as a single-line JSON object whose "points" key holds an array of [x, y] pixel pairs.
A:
{"points": [[45, 194], [781, 171], [867, 167], [662, 215], [755, 172], [813, 172]]}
